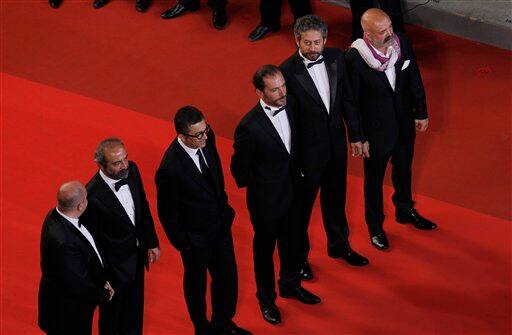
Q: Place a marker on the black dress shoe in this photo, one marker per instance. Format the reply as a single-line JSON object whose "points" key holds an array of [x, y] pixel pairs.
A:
{"points": [[416, 219], [305, 272], [350, 256], [219, 18], [142, 5], [259, 32], [233, 329], [176, 11], [99, 3], [270, 313], [380, 241], [301, 294], [55, 3]]}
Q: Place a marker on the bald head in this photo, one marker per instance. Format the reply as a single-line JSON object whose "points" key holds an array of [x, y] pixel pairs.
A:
{"points": [[377, 28], [71, 198]]}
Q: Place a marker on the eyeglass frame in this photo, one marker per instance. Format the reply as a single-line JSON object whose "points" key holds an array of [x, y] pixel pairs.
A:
{"points": [[201, 134]]}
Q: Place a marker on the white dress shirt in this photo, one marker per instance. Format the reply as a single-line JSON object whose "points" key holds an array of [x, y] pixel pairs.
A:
{"points": [[319, 75], [193, 154], [280, 122], [83, 230], [390, 72], [123, 195]]}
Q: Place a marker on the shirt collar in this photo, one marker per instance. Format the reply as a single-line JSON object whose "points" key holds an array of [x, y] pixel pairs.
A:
{"points": [[192, 152], [307, 61], [388, 51], [110, 182], [269, 112], [74, 221]]}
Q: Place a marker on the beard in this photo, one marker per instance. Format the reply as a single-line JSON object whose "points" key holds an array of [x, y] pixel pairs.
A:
{"points": [[313, 56], [122, 174]]}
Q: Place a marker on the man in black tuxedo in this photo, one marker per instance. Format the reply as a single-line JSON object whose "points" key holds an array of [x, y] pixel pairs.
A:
{"points": [[74, 279], [265, 161], [317, 78], [194, 211], [389, 93], [119, 210], [219, 14], [270, 14]]}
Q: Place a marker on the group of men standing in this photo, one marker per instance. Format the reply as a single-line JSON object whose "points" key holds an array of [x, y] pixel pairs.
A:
{"points": [[287, 149]]}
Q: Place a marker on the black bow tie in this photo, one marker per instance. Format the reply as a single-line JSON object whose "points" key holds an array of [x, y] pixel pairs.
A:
{"points": [[120, 183], [318, 61], [277, 111]]}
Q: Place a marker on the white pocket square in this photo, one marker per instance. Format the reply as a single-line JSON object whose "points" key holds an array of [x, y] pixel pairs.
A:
{"points": [[406, 64]]}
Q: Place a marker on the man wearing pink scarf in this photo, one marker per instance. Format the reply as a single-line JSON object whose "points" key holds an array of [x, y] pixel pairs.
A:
{"points": [[390, 97]]}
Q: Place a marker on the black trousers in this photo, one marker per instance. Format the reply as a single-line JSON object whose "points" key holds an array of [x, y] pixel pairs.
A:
{"points": [[74, 317], [218, 259], [123, 315], [194, 4], [392, 7], [374, 170], [332, 183], [270, 11], [285, 232]]}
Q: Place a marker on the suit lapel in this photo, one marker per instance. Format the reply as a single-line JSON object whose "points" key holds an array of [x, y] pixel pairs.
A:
{"points": [[398, 71], [191, 168], [268, 127], [212, 166], [332, 73], [135, 191], [74, 231], [110, 200], [302, 75], [291, 120]]}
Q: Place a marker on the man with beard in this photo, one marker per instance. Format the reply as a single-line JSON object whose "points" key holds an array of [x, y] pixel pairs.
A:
{"points": [[74, 279], [270, 16], [219, 15], [265, 161], [124, 226], [389, 93], [194, 211], [317, 78]]}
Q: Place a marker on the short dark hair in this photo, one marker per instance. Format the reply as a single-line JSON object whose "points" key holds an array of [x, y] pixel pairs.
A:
{"points": [[310, 22], [268, 70], [99, 153], [185, 117]]}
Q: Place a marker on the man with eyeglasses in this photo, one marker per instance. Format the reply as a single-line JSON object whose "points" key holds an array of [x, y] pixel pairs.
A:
{"points": [[194, 211]]}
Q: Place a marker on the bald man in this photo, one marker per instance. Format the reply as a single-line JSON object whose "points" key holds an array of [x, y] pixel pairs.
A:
{"points": [[73, 280], [390, 97]]}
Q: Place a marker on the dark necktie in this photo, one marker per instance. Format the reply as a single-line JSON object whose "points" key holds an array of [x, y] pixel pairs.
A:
{"points": [[205, 171], [276, 111], [318, 61], [120, 183]]}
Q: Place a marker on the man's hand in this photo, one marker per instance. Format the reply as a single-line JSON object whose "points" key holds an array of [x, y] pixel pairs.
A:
{"points": [[110, 290], [357, 148], [153, 254], [421, 125], [366, 150]]}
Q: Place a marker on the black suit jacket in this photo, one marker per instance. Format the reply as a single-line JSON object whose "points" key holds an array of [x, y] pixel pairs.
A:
{"points": [[117, 235], [387, 115], [72, 275], [263, 165], [191, 211], [322, 134]]}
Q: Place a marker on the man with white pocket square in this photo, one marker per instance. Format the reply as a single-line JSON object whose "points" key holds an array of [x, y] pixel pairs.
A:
{"points": [[389, 93]]}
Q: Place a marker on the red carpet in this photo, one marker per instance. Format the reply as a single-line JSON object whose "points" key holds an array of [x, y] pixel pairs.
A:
{"points": [[452, 281], [143, 63], [65, 70]]}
